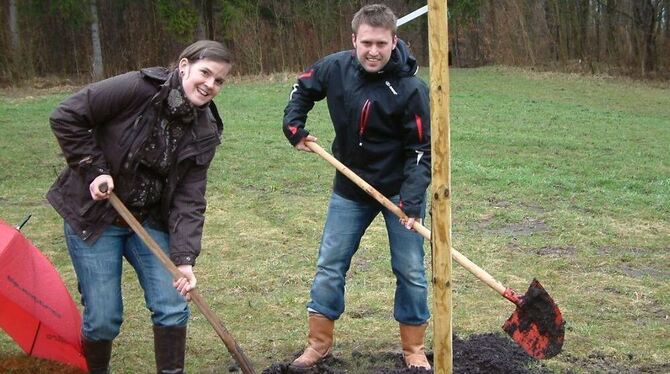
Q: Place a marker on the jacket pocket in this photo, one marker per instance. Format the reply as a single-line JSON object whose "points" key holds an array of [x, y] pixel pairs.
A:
{"points": [[208, 142], [175, 224], [202, 151], [204, 158], [86, 207]]}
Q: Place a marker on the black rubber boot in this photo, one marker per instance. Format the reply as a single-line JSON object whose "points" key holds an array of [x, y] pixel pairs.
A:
{"points": [[170, 348], [97, 353]]}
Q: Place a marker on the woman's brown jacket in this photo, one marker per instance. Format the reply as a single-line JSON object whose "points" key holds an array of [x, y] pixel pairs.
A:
{"points": [[100, 130]]}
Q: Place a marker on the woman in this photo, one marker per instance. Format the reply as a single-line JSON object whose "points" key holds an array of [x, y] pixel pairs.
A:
{"points": [[150, 136]]}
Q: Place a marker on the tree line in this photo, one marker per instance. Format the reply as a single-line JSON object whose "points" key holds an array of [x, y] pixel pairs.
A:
{"points": [[91, 39]]}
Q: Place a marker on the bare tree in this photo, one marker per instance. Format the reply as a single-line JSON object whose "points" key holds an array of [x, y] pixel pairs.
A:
{"points": [[97, 66], [647, 14], [14, 26], [528, 46], [619, 36], [205, 28]]}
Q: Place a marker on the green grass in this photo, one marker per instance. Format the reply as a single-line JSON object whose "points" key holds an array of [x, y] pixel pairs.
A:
{"points": [[558, 177]]}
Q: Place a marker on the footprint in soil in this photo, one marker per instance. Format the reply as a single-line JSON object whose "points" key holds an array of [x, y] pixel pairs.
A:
{"points": [[482, 353]]}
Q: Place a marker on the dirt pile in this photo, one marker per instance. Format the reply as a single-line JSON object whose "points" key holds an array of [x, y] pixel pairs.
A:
{"points": [[485, 353]]}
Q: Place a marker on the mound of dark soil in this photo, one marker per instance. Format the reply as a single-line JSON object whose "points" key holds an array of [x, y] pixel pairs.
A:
{"points": [[493, 353], [484, 353]]}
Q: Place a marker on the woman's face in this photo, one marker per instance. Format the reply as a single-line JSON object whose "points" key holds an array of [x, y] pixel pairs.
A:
{"points": [[202, 80]]}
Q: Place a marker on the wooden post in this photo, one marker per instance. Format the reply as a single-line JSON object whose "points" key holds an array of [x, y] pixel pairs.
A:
{"points": [[438, 45]]}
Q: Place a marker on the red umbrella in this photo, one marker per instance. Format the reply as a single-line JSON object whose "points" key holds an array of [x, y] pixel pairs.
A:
{"points": [[36, 309]]}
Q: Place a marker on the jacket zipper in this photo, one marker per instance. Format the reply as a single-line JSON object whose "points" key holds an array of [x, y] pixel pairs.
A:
{"points": [[363, 122]]}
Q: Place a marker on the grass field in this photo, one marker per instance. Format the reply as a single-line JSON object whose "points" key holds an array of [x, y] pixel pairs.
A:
{"points": [[559, 177]]}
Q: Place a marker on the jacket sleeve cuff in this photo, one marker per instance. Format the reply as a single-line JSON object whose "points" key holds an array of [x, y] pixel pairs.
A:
{"points": [[298, 136], [181, 259], [95, 171], [412, 211]]}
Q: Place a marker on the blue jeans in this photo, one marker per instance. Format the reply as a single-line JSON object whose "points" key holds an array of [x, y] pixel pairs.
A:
{"points": [[98, 269], [346, 223]]}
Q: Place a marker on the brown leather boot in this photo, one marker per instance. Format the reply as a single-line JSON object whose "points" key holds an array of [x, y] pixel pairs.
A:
{"points": [[320, 342], [170, 349], [412, 346], [98, 354]]}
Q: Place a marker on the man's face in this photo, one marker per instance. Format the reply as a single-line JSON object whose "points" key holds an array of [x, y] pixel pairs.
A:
{"points": [[202, 80], [373, 47]]}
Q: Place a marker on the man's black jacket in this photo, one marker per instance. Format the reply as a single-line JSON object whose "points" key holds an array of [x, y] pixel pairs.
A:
{"points": [[381, 120]]}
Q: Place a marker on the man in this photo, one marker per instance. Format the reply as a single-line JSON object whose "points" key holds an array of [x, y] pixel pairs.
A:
{"points": [[380, 112]]}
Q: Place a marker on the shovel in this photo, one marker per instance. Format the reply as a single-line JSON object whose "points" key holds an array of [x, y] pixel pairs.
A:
{"points": [[228, 340], [536, 325]]}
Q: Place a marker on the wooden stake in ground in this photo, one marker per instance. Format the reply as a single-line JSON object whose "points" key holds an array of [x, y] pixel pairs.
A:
{"points": [[438, 46]]}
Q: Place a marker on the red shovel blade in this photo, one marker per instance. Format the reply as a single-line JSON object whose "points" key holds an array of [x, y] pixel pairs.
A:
{"points": [[537, 324]]}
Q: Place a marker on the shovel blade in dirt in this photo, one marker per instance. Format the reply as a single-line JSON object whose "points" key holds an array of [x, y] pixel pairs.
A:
{"points": [[537, 324]]}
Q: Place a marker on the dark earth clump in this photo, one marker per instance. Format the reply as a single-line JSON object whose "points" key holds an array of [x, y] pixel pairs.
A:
{"points": [[482, 353], [493, 353]]}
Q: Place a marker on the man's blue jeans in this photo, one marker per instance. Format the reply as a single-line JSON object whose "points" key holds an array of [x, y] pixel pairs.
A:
{"points": [[98, 269], [346, 223]]}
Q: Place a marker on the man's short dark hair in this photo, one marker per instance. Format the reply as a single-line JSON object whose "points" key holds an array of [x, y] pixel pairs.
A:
{"points": [[375, 15]]}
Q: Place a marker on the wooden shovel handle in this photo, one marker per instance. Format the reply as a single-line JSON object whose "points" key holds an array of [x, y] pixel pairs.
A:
{"points": [[418, 227], [228, 340]]}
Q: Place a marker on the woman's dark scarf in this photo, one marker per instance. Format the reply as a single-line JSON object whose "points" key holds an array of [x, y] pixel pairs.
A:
{"points": [[158, 152], [177, 105]]}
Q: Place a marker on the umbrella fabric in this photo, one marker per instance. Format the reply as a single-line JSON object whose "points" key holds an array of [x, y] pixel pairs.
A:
{"points": [[36, 309]]}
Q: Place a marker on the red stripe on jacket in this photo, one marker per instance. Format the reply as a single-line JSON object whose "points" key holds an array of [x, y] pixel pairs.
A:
{"points": [[307, 74], [419, 127], [363, 123]]}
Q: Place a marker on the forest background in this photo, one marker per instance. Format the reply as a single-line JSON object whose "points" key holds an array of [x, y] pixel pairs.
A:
{"points": [[86, 40]]}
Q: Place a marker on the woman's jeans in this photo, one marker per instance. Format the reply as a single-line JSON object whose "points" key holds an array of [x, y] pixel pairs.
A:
{"points": [[346, 223], [98, 267]]}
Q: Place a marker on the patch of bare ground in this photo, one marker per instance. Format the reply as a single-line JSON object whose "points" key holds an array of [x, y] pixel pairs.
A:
{"points": [[656, 312], [655, 270], [598, 362], [499, 203], [641, 271], [25, 204], [556, 251], [481, 353], [527, 227], [652, 309], [30, 365], [609, 250]]}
